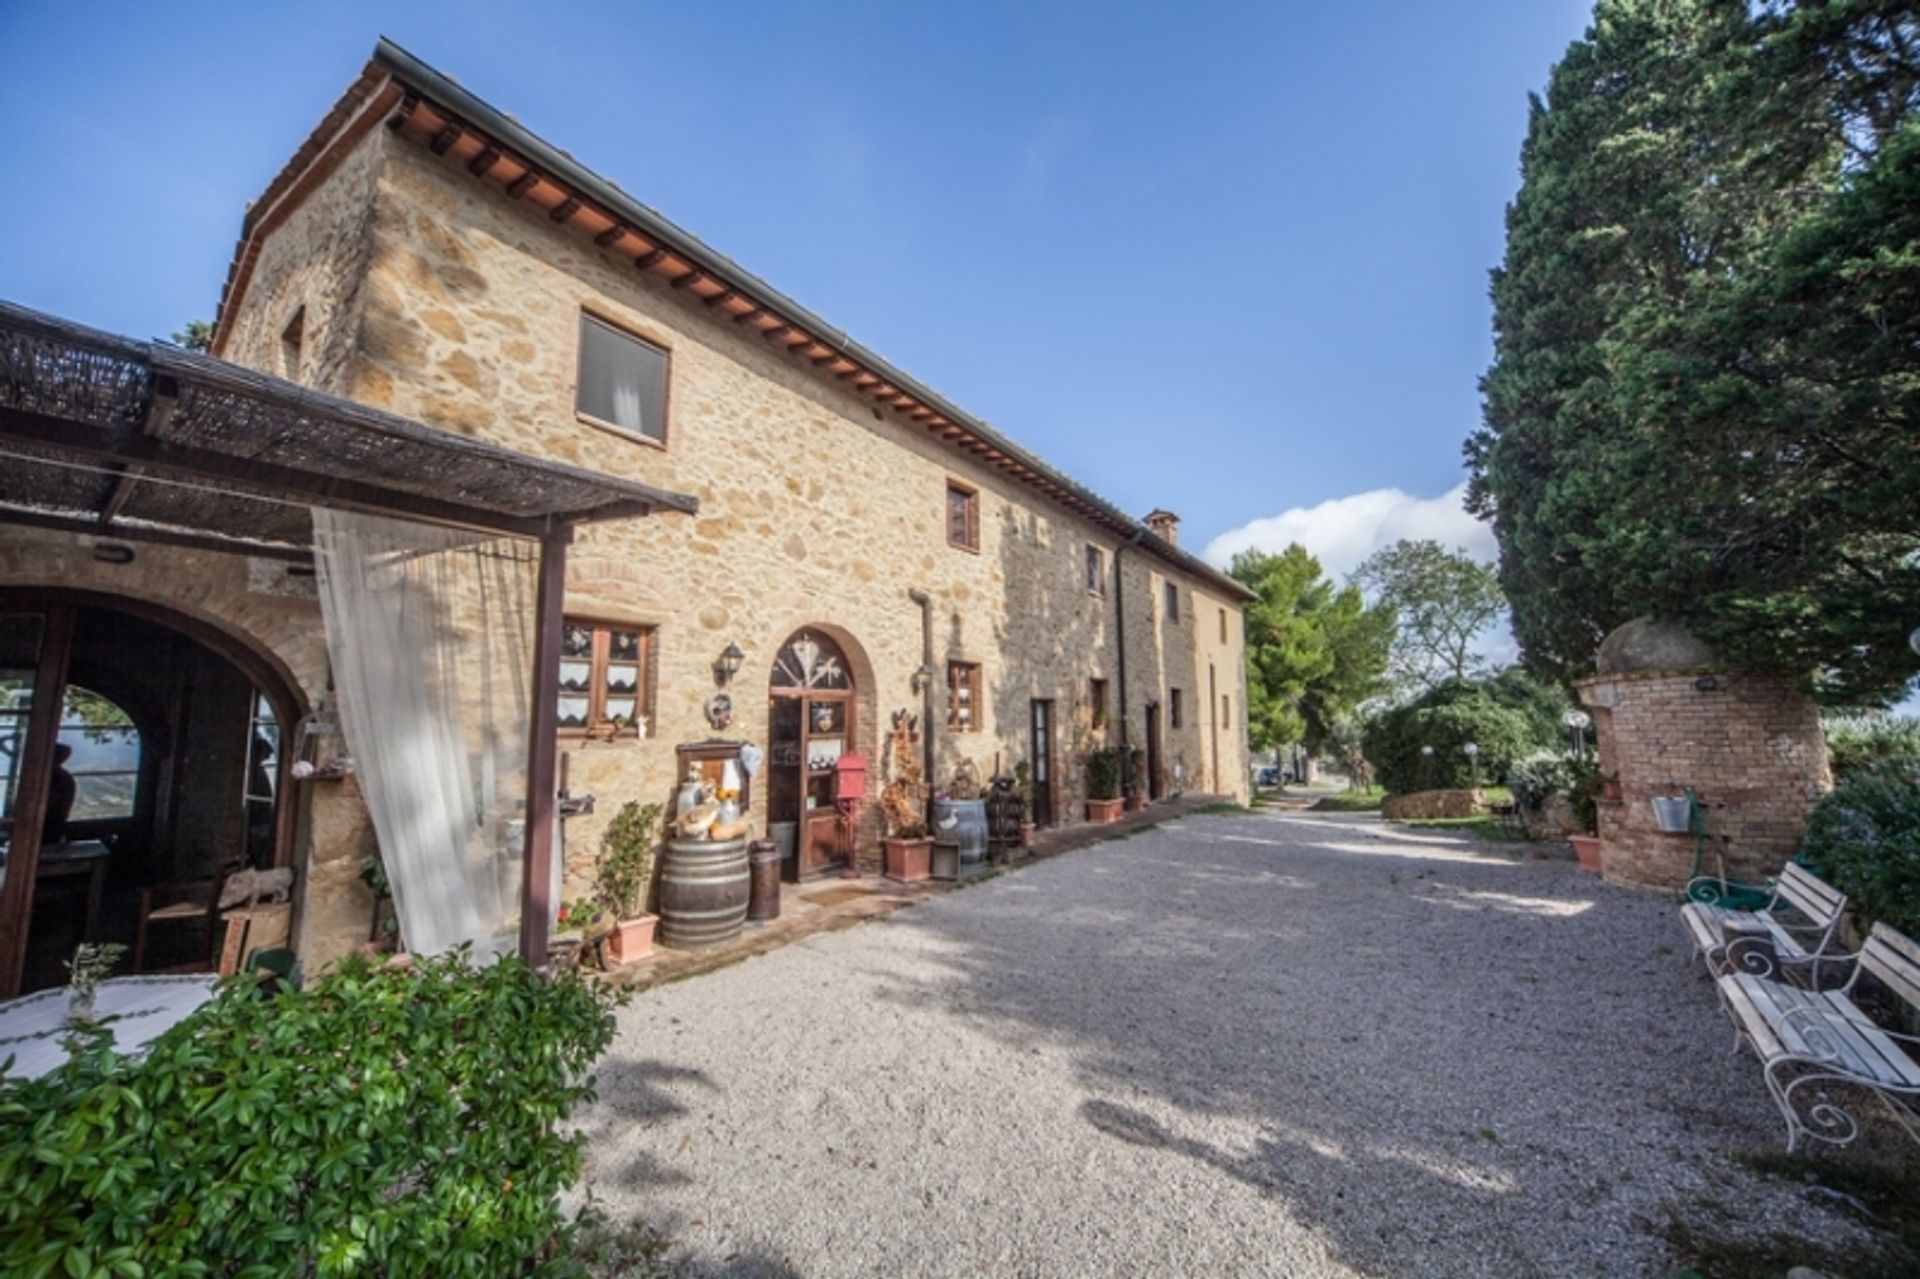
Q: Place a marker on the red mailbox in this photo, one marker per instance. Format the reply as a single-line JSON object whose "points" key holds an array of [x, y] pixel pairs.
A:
{"points": [[850, 778]]}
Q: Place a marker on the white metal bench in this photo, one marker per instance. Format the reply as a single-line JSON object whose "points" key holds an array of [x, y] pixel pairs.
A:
{"points": [[1795, 932], [1811, 1042]]}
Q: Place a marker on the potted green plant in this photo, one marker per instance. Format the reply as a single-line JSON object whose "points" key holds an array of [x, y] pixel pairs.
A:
{"points": [[1103, 784], [1587, 787], [906, 846], [1023, 787], [626, 873], [1136, 779]]}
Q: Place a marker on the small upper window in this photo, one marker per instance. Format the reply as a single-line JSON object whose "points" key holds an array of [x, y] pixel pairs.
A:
{"points": [[1226, 711], [1173, 601], [1097, 697], [1096, 570], [1175, 716], [292, 339], [963, 517], [1223, 626], [623, 381]]}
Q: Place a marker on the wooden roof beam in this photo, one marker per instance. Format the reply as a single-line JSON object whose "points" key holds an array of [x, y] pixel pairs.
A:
{"points": [[443, 141], [751, 314], [611, 236], [721, 298], [526, 182], [565, 210], [690, 279], [483, 163], [650, 259]]}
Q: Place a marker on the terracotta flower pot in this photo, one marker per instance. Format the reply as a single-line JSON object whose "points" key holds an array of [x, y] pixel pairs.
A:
{"points": [[1026, 834], [632, 939], [1102, 811], [908, 860], [1587, 849], [1136, 802]]}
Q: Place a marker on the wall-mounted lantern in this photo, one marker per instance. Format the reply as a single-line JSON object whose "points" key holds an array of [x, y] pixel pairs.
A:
{"points": [[727, 665], [1472, 750]]}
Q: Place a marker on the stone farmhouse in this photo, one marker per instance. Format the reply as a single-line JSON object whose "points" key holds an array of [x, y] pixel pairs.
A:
{"points": [[862, 546]]}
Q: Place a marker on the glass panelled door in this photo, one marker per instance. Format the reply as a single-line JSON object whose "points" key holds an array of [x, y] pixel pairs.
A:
{"points": [[811, 726], [1042, 763]]}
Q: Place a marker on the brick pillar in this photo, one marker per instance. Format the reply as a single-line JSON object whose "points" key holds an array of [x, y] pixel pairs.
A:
{"points": [[1750, 747]]}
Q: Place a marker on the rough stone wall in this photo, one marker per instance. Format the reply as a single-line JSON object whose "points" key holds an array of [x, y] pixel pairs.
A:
{"points": [[316, 260], [255, 603], [817, 509], [1751, 748]]}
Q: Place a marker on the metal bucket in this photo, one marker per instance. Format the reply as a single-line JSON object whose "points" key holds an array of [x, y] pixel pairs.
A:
{"points": [[704, 887], [1671, 815], [962, 822]]}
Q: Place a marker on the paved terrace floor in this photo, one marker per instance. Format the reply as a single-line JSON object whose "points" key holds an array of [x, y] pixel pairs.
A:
{"points": [[1273, 1044]]}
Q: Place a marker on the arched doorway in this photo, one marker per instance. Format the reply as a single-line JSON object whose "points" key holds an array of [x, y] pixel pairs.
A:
{"points": [[140, 752], [811, 724]]}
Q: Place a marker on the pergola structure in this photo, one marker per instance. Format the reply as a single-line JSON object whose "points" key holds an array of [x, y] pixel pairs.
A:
{"points": [[141, 441]]}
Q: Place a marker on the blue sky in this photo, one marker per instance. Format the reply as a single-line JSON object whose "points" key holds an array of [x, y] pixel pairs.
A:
{"points": [[1229, 259]]}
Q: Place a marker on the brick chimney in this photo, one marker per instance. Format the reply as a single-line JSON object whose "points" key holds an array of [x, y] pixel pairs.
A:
{"points": [[1166, 524]]}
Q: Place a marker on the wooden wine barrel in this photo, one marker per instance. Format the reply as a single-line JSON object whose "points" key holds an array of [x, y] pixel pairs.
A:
{"points": [[962, 822], [703, 892]]}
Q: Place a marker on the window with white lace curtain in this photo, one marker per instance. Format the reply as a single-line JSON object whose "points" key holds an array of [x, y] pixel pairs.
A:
{"points": [[623, 381]]}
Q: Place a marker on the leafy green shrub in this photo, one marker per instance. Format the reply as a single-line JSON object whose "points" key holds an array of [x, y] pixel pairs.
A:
{"points": [[1857, 743], [1864, 838], [1536, 777], [383, 1122], [1446, 718], [1104, 765], [626, 858]]}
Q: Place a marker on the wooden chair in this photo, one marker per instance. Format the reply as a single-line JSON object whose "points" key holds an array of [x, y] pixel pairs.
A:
{"points": [[189, 904]]}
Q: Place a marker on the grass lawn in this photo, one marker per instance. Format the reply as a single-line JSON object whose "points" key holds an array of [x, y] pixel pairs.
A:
{"points": [[1491, 829]]}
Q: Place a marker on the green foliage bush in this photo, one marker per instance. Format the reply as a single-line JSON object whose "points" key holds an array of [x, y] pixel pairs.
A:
{"points": [[1104, 765], [1864, 838], [1534, 778], [1447, 718], [383, 1122], [1858, 743]]}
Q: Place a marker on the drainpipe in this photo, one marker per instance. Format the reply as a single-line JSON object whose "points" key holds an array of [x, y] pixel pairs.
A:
{"points": [[1120, 625], [925, 601]]}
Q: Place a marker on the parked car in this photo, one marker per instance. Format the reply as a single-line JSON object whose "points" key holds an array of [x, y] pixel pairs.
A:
{"points": [[1268, 775]]}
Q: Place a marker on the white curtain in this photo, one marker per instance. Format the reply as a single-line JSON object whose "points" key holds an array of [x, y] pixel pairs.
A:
{"points": [[430, 633]]}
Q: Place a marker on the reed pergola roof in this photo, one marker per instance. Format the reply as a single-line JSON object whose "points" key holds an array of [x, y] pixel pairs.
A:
{"points": [[142, 440]]}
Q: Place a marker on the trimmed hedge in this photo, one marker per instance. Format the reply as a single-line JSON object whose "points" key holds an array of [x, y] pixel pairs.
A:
{"points": [[1864, 839], [384, 1122]]}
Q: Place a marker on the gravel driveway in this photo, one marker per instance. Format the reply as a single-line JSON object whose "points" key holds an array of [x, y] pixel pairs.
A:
{"points": [[1262, 1045]]}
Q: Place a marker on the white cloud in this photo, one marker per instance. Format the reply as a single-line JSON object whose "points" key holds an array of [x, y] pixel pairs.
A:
{"points": [[1342, 531]]}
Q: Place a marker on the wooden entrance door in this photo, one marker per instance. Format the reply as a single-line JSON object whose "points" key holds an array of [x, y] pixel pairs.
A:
{"points": [[1042, 763], [1153, 750], [811, 725]]}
